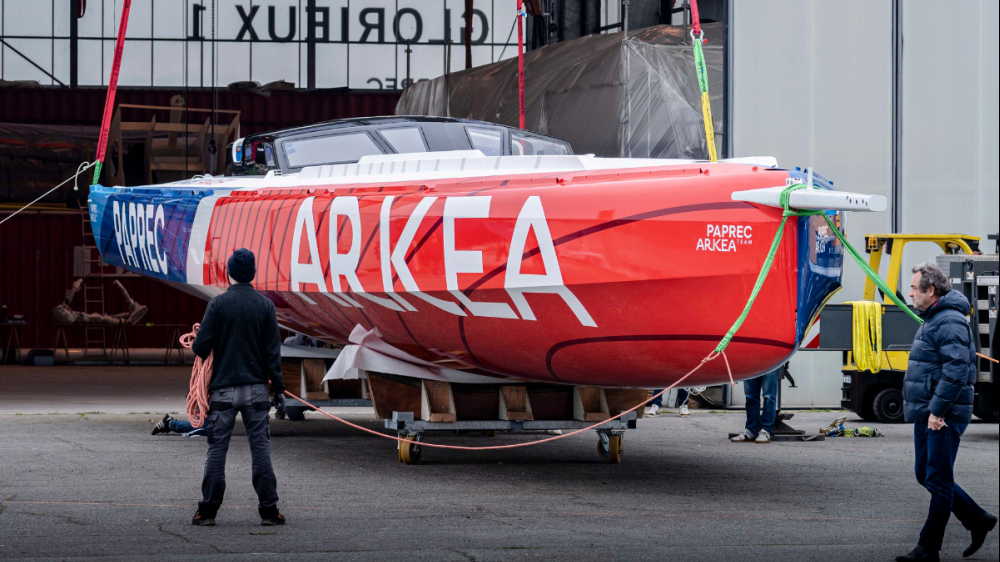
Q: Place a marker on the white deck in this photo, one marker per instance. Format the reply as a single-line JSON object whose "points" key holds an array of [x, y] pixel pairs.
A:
{"points": [[438, 166]]}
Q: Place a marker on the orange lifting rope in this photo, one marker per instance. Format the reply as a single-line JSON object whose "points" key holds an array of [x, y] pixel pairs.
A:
{"points": [[704, 362], [201, 377]]}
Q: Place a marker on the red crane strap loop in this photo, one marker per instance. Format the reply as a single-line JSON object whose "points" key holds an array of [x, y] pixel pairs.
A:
{"points": [[695, 18]]}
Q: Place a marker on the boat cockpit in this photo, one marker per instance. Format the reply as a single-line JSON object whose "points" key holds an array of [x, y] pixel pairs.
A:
{"points": [[348, 141]]}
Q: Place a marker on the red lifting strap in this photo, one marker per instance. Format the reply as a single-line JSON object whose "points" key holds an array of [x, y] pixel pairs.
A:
{"points": [[520, 63], [109, 103], [695, 18]]}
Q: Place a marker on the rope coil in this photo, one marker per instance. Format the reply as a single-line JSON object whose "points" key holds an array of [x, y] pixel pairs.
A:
{"points": [[201, 377], [868, 336]]}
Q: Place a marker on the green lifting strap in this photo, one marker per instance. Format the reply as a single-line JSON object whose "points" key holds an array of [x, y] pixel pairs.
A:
{"points": [[873, 275], [769, 262]]}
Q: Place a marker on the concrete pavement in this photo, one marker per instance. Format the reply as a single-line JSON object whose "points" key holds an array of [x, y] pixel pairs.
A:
{"points": [[99, 487]]}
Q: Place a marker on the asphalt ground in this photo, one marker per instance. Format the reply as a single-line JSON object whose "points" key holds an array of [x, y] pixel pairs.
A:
{"points": [[99, 487]]}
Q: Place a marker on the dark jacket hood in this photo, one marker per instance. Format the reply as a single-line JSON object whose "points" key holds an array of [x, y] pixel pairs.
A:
{"points": [[954, 300]]}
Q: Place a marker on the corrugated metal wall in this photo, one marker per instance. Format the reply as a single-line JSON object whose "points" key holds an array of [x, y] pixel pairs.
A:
{"points": [[36, 249], [951, 141], [813, 87], [84, 106], [36, 268]]}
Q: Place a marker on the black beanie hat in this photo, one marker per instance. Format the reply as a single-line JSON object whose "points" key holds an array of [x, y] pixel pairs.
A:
{"points": [[243, 266]]}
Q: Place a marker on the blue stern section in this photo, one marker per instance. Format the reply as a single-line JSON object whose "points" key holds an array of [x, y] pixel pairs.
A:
{"points": [[145, 231], [821, 262]]}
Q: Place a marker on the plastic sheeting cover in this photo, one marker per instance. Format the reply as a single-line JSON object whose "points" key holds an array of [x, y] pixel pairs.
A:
{"points": [[576, 91], [371, 353]]}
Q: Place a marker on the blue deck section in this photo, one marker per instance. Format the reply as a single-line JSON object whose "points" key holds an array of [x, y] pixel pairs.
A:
{"points": [[821, 262], [146, 231]]}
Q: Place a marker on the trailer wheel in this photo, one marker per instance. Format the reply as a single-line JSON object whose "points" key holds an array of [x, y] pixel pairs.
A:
{"points": [[611, 448], [888, 406], [603, 447], [617, 449], [409, 451], [295, 414]]}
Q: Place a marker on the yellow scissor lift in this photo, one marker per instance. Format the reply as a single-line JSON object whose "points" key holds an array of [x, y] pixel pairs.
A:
{"points": [[878, 396]]}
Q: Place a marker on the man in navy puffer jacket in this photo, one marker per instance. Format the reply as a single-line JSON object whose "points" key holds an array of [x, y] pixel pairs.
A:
{"points": [[938, 395]]}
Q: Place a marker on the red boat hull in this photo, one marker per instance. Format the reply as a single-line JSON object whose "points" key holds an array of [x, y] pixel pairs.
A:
{"points": [[633, 248], [612, 278]]}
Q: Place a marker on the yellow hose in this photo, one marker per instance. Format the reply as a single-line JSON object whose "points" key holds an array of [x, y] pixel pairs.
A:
{"points": [[868, 336]]}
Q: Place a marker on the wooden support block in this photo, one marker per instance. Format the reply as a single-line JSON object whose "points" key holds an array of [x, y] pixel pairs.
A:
{"points": [[437, 402], [590, 404], [291, 371], [390, 396], [514, 404], [347, 389], [313, 387], [551, 403], [623, 400]]}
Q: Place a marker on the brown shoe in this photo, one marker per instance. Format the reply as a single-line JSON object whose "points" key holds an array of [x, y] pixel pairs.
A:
{"points": [[269, 517], [163, 426], [201, 520]]}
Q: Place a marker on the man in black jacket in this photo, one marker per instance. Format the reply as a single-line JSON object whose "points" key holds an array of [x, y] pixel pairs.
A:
{"points": [[938, 394], [241, 329]]}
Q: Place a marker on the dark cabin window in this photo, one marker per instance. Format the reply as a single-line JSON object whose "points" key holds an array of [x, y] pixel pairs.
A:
{"points": [[527, 145], [406, 140], [488, 141], [339, 149]]}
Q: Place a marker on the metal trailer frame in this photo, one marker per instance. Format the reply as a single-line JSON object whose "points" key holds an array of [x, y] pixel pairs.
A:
{"points": [[610, 445], [296, 413]]}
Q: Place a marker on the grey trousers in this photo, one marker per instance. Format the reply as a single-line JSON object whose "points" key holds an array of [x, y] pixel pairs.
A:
{"points": [[253, 403]]}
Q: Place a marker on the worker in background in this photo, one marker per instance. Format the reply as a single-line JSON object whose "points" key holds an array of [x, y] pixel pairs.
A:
{"points": [[67, 316], [760, 426], [683, 397], [241, 329], [172, 425], [938, 394]]}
